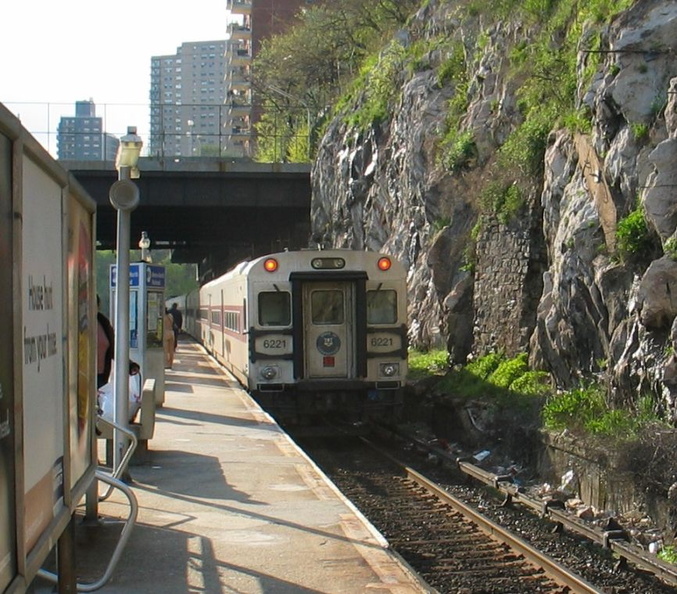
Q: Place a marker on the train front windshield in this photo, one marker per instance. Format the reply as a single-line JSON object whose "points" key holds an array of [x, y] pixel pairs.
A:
{"points": [[274, 308], [327, 307], [381, 307]]}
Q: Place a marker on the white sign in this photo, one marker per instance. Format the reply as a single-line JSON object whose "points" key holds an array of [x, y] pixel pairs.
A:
{"points": [[42, 279]]}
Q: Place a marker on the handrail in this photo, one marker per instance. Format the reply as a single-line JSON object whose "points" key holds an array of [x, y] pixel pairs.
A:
{"points": [[117, 472], [124, 536]]}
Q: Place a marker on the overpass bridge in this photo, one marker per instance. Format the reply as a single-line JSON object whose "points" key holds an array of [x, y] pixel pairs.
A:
{"points": [[211, 211]]}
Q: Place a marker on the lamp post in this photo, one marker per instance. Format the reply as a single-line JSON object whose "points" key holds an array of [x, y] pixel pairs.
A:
{"points": [[191, 125], [124, 196]]}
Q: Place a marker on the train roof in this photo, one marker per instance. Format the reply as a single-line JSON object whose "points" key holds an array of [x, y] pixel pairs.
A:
{"points": [[353, 258]]}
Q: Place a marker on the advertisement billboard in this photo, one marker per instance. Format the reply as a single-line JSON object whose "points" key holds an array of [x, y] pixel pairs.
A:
{"points": [[81, 319]]}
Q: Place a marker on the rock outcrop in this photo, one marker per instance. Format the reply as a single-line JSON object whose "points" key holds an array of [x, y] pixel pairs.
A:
{"points": [[549, 278]]}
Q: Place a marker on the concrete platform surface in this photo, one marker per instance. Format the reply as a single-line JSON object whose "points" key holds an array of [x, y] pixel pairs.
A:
{"points": [[228, 503]]}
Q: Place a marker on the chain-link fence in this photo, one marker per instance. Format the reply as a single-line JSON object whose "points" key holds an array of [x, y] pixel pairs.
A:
{"points": [[88, 131]]}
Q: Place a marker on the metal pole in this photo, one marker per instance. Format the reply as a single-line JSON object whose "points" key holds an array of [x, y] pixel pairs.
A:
{"points": [[121, 350], [308, 124], [65, 553]]}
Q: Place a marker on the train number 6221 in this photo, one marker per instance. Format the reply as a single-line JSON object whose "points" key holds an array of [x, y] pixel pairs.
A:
{"points": [[274, 343], [381, 341]]}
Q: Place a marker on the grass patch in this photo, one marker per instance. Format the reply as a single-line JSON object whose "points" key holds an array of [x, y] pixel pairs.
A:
{"points": [[585, 410], [668, 554], [423, 364], [505, 382]]}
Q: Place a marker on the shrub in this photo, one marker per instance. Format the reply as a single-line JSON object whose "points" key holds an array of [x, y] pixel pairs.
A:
{"points": [[640, 132], [525, 147], [503, 201], [632, 235], [584, 409], [453, 69], [532, 383], [484, 366], [459, 150], [668, 554], [509, 371], [378, 83], [573, 409], [670, 248], [613, 423]]}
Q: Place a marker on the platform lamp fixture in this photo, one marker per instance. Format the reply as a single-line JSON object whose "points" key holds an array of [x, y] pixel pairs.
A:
{"points": [[128, 153], [124, 196]]}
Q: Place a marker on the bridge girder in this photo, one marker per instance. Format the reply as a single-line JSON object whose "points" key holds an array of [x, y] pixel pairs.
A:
{"points": [[211, 212]]}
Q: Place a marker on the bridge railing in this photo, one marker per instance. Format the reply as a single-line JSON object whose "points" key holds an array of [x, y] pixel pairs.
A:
{"points": [[169, 130]]}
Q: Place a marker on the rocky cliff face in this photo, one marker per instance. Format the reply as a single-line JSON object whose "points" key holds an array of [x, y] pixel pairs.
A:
{"points": [[550, 279]]}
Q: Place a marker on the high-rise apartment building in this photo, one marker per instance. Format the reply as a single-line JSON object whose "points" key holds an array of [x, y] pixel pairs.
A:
{"points": [[81, 138], [260, 19], [187, 94]]}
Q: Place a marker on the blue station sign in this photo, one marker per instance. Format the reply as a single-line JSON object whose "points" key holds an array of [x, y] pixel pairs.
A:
{"points": [[155, 276]]}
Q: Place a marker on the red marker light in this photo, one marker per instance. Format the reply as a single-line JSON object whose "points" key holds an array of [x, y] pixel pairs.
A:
{"points": [[270, 264], [384, 264]]}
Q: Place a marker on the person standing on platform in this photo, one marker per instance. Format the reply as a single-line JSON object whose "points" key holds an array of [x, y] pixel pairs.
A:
{"points": [[178, 322], [168, 339], [105, 347]]}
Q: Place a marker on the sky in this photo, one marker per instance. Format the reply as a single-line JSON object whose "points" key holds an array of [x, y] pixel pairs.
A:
{"points": [[54, 53]]}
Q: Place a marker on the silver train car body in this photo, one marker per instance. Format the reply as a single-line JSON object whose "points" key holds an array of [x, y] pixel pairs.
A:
{"points": [[309, 331]]}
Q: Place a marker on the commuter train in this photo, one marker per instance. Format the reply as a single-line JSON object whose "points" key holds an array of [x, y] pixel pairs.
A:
{"points": [[308, 332]]}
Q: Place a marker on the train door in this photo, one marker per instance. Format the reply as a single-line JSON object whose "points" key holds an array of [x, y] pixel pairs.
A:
{"points": [[209, 334], [222, 328], [329, 322]]}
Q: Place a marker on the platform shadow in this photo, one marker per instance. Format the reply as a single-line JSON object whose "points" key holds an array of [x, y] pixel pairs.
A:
{"points": [[182, 416], [159, 559], [185, 473]]}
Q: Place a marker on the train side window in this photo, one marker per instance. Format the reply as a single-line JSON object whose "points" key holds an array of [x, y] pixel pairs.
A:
{"points": [[381, 307], [326, 307], [274, 308], [232, 321]]}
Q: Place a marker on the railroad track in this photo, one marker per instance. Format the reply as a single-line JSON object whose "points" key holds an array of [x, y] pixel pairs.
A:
{"points": [[456, 549], [652, 574], [452, 547]]}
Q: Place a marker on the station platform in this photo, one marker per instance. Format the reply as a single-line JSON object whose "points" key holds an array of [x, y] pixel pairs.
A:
{"points": [[228, 503]]}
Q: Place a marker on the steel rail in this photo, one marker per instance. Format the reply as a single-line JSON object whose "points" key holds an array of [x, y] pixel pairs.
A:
{"points": [[554, 570], [614, 540], [557, 572]]}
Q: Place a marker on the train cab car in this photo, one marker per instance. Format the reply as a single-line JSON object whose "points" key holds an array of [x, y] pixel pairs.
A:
{"points": [[312, 331]]}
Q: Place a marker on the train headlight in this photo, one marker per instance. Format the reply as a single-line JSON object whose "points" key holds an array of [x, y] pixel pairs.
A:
{"points": [[389, 369], [270, 265], [384, 264], [328, 263], [269, 372]]}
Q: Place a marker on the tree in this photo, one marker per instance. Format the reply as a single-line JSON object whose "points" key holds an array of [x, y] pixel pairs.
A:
{"points": [[179, 278], [336, 37]]}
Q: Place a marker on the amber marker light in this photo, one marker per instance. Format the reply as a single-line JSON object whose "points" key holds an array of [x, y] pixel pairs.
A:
{"points": [[384, 264], [270, 264]]}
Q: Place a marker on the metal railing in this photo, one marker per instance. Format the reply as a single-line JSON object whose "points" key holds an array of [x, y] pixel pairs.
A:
{"points": [[122, 540]]}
